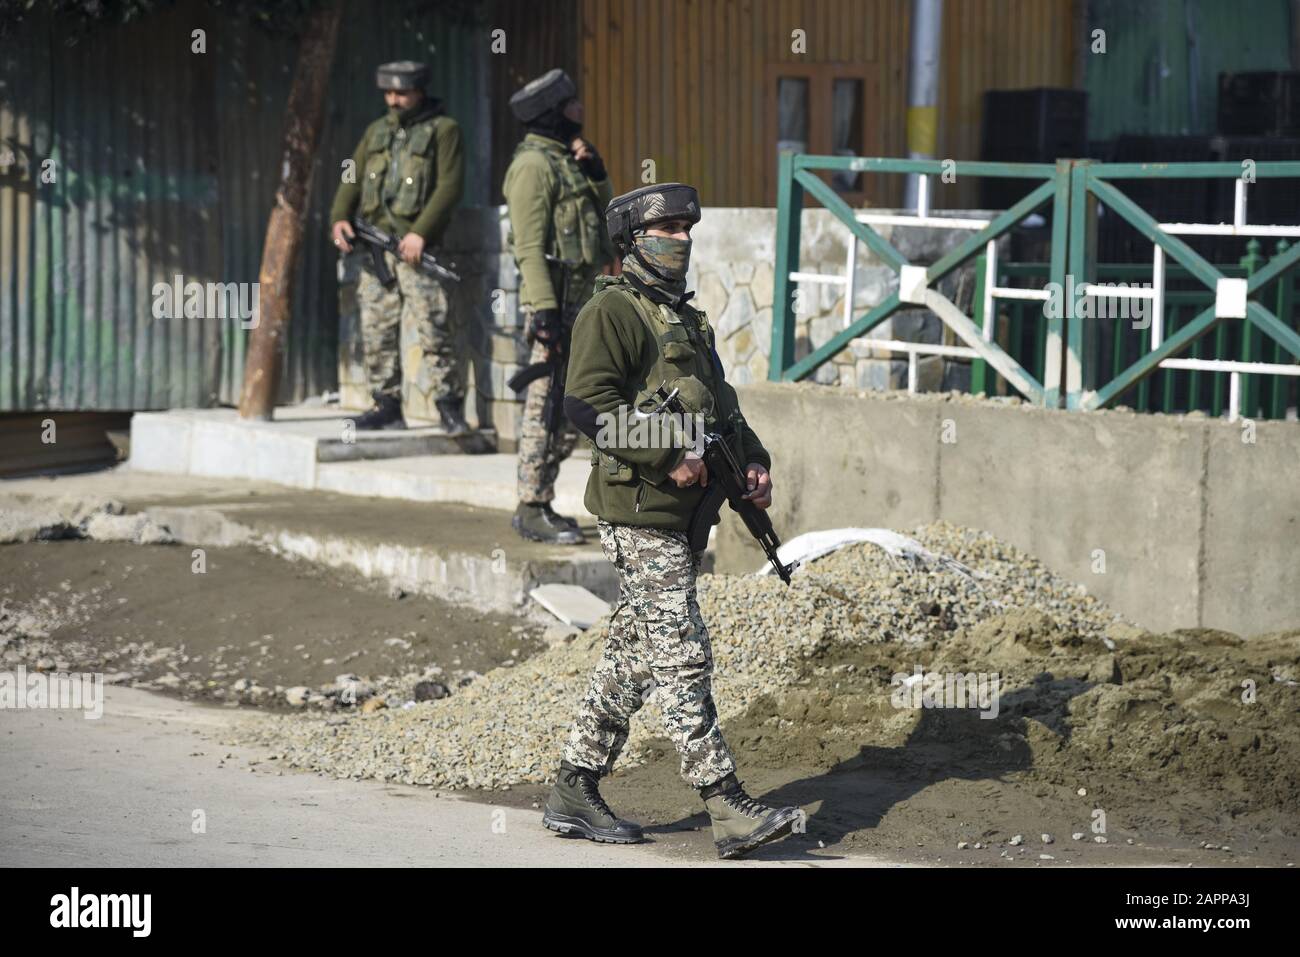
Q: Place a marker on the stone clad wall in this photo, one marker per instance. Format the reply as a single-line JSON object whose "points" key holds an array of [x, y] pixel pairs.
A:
{"points": [[731, 271], [732, 274]]}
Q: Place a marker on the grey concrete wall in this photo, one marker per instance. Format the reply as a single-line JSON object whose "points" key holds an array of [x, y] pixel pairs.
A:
{"points": [[1198, 527]]}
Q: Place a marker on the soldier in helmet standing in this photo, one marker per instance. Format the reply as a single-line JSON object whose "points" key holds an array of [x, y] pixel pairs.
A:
{"points": [[636, 334], [555, 189], [411, 176]]}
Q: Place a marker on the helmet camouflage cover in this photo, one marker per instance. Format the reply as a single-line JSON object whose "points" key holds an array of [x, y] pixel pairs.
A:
{"points": [[544, 93], [402, 75], [648, 205]]}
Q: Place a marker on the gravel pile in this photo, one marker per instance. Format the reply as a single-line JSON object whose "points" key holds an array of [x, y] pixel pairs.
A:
{"points": [[508, 726]]}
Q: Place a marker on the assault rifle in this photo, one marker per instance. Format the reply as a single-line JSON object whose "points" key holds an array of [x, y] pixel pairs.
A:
{"points": [[380, 242], [557, 365], [727, 480]]}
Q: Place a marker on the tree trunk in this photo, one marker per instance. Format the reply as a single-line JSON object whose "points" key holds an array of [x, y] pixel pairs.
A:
{"points": [[284, 230]]}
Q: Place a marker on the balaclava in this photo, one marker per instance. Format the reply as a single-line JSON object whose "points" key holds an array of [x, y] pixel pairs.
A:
{"points": [[554, 124]]}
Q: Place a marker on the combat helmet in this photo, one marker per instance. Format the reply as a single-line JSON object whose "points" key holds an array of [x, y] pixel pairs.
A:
{"points": [[640, 209]]}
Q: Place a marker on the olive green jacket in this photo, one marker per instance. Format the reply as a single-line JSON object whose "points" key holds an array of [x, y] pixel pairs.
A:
{"points": [[623, 347], [555, 210], [410, 174]]}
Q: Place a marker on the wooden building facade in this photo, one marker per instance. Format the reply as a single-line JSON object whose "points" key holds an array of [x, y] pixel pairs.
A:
{"points": [[707, 89]]}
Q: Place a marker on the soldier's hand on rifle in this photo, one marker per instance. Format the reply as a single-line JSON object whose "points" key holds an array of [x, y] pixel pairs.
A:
{"points": [[343, 235], [411, 248], [546, 327], [691, 470], [759, 482]]}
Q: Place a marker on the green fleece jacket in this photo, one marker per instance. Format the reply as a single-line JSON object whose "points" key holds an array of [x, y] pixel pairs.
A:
{"points": [[537, 190], [613, 355]]}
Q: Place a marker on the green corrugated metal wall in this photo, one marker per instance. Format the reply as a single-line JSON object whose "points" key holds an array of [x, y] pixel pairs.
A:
{"points": [[166, 162], [1160, 72]]}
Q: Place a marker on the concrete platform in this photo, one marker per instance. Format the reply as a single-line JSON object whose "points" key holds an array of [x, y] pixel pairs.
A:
{"points": [[461, 553], [467, 555], [288, 450], [484, 481]]}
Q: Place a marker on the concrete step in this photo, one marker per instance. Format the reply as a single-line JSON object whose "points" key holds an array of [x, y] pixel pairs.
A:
{"points": [[287, 450], [463, 554], [485, 481]]}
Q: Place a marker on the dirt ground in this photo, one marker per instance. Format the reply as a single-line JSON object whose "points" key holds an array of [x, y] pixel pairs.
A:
{"points": [[916, 802], [141, 613], [1147, 743]]}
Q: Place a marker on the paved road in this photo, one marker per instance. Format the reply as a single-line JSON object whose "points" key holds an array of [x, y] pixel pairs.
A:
{"points": [[123, 791]]}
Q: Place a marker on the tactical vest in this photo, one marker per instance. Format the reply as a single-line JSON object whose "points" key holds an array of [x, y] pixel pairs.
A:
{"points": [[401, 167], [576, 235], [684, 361]]}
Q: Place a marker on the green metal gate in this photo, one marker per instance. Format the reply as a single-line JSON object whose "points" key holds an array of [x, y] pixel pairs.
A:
{"points": [[1235, 297], [1038, 339]]}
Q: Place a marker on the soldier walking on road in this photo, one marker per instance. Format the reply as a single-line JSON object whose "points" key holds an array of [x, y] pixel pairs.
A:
{"points": [[637, 333], [411, 176], [555, 188]]}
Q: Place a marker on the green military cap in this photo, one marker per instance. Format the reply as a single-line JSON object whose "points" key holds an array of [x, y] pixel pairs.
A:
{"points": [[402, 75], [544, 93], [642, 208]]}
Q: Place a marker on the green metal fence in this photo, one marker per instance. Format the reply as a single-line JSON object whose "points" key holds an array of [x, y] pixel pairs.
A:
{"points": [[917, 284], [1046, 330], [1237, 311], [1020, 331]]}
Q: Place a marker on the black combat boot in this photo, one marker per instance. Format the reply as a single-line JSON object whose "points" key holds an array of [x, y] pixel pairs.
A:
{"points": [[453, 422], [385, 414], [537, 523], [576, 807], [740, 823], [557, 517]]}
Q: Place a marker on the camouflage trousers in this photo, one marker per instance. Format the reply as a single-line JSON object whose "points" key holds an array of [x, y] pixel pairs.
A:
{"points": [[537, 467], [418, 305], [657, 641]]}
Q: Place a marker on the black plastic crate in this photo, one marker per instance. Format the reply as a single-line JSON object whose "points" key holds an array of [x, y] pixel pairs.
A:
{"points": [[1275, 201], [1039, 125], [1265, 103], [1034, 126], [1167, 200]]}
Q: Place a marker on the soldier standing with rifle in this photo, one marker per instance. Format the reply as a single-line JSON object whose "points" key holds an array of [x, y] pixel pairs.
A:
{"points": [[555, 188], [411, 175], [639, 345]]}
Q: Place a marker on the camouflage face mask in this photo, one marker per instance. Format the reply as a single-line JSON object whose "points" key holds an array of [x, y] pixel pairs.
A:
{"points": [[670, 257]]}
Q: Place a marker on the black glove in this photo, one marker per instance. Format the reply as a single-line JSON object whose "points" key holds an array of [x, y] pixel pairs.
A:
{"points": [[593, 167], [546, 327]]}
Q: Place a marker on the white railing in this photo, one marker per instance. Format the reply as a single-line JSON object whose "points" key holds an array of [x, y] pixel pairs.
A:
{"points": [[848, 280]]}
